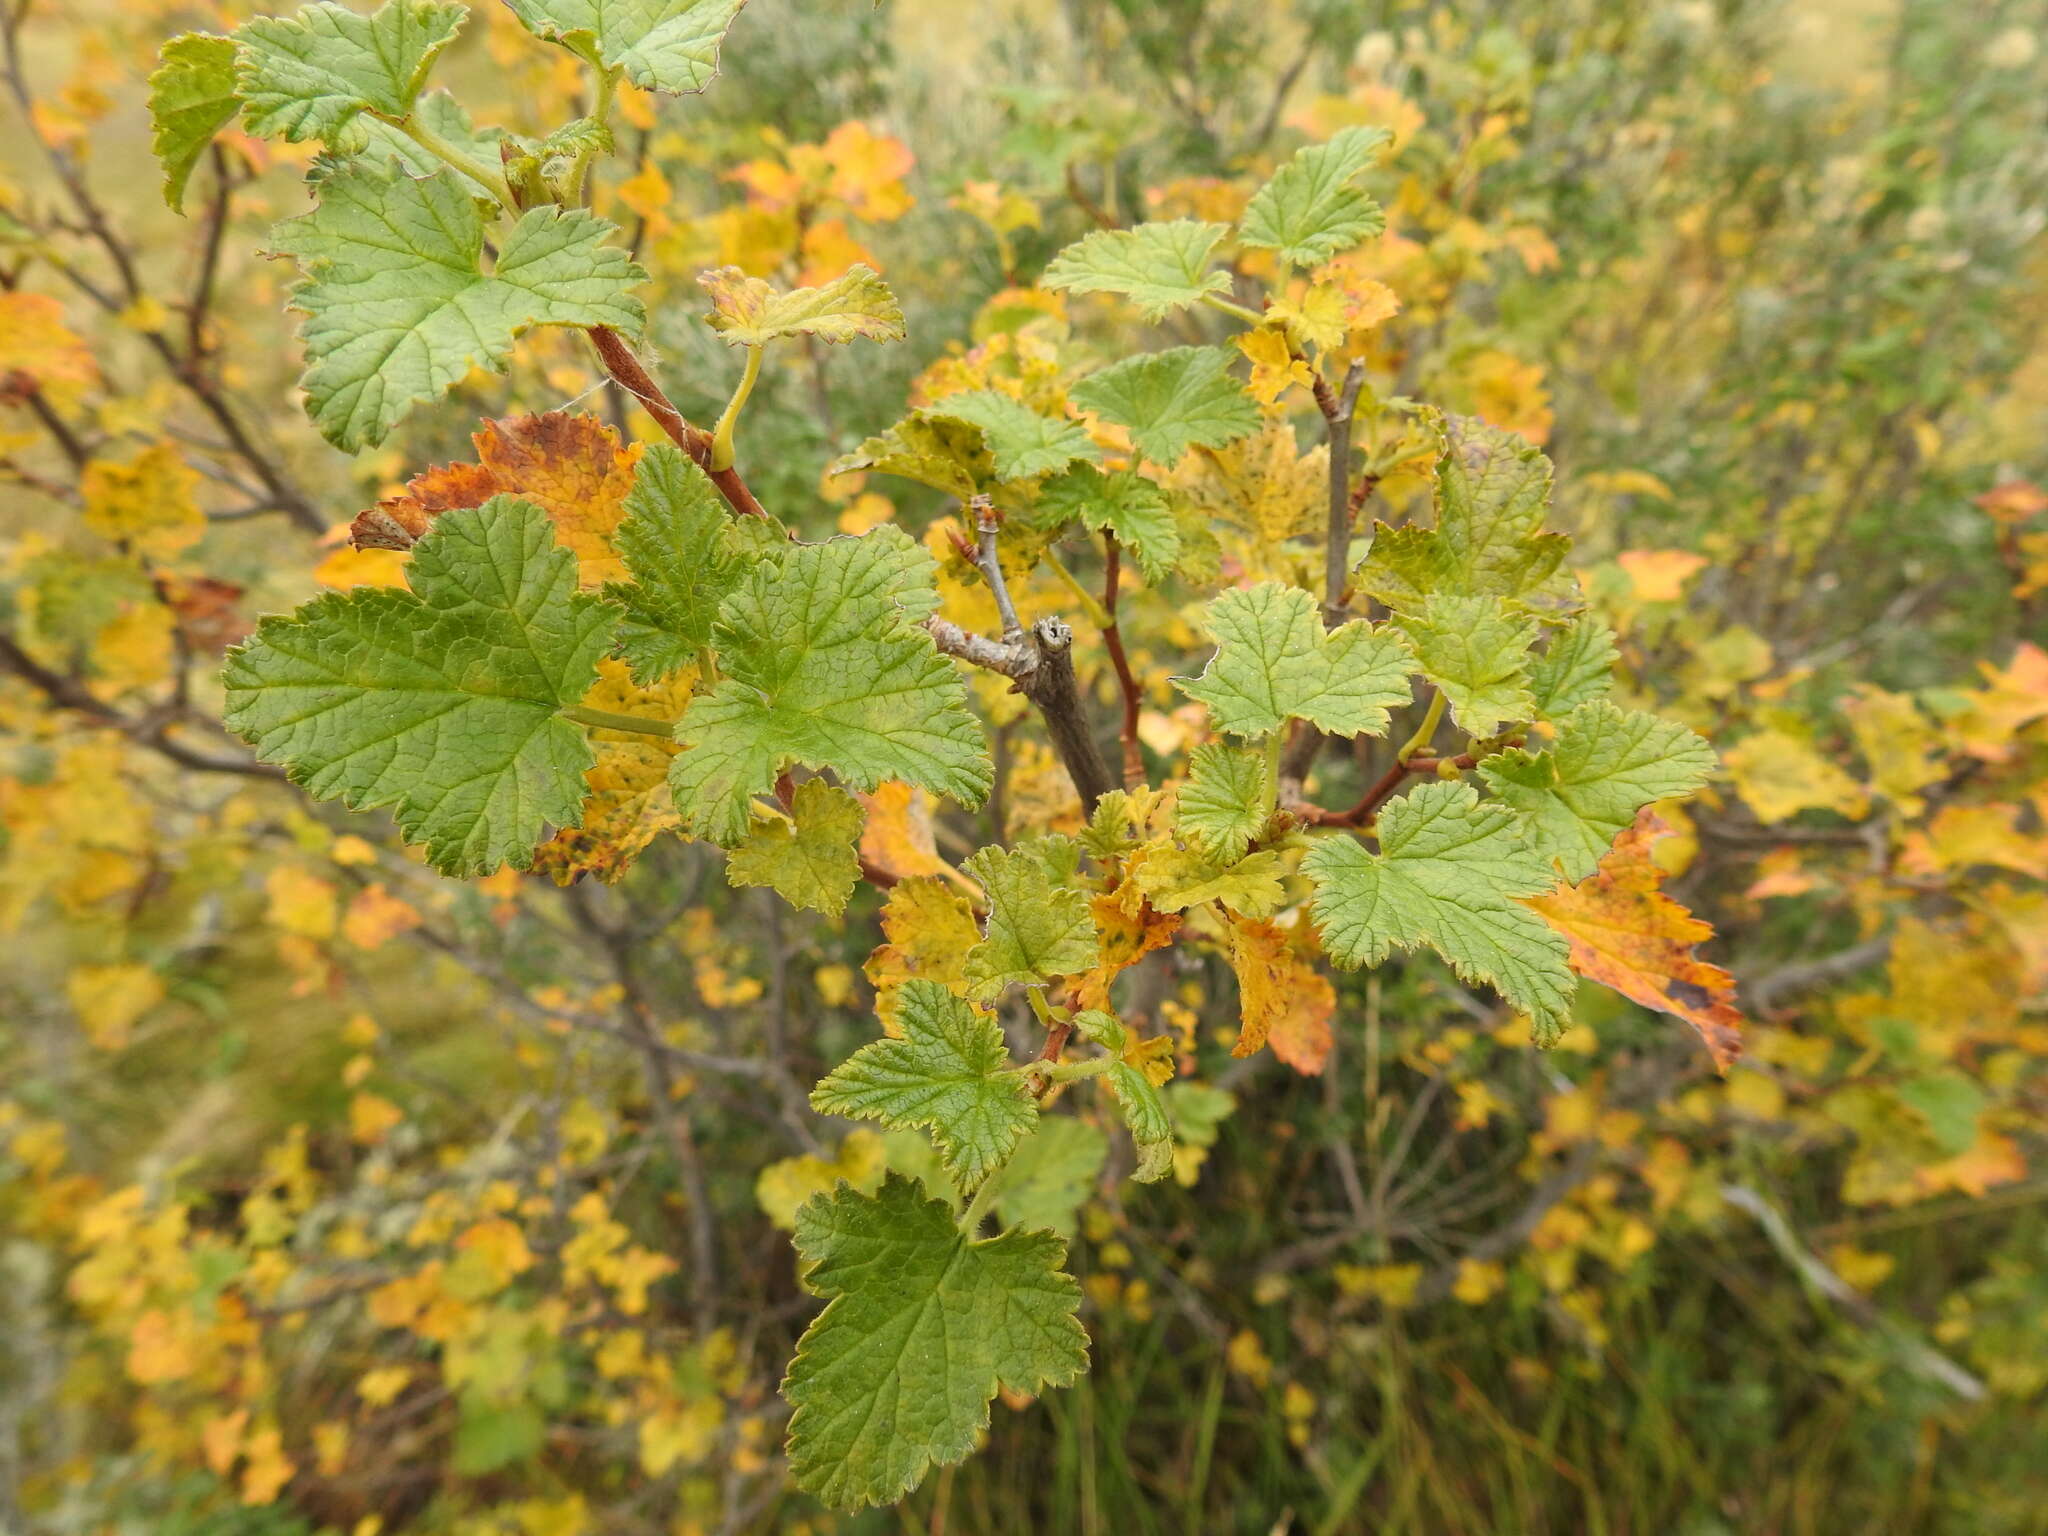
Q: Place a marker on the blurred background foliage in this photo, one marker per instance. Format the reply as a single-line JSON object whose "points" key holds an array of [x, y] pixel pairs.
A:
{"points": [[338, 1198]]}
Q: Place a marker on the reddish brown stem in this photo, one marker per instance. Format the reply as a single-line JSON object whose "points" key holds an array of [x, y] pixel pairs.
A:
{"points": [[632, 375], [1112, 636], [1361, 814]]}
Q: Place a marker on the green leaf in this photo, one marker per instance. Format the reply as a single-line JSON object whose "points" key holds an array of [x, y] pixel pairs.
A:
{"points": [[191, 98], [1576, 666], [381, 143], [1159, 267], [397, 310], [808, 858], [680, 546], [948, 1074], [1222, 807], [1124, 503], [440, 702], [1951, 1105], [1172, 401], [1446, 876], [1022, 443], [311, 75], [1038, 926], [921, 1327], [1478, 653], [824, 665], [1275, 663], [1492, 492], [1174, 879], [663, 45], [747, 311], [1310, 210], [1043, 1184], [933, 449], [1606, 764], [1144, 1112], [493, 1435]]}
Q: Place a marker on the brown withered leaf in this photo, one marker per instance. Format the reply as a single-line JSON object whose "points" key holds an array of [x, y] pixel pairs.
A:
{"points": [[1286, 1003], [574, 468], [1627, 934], [626, 804], [206, 611]]}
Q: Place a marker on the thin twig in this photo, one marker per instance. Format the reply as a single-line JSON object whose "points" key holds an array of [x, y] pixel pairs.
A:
{"points": [[1113, 638], [623, 366]]}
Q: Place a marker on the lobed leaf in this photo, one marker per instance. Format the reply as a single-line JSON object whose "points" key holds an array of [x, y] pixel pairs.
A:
{"points": [[1310, 211], [310, 76], [1576, 666], [748, 311], [1585, 788], [1275, 663], [921, 1325], [440, 702], [1039, 927], [397, 309], [1022, 443], [824, 665], [810, 857], [1492, 492], [1625, 933], [948, 1074], [1449, 875], [1122, 502], [930, 447], [1172, 401], [1160, 267], [662, 45], [685, 559], [192, 96], [1145, 1116], [1477, 652], [1222, 806]]}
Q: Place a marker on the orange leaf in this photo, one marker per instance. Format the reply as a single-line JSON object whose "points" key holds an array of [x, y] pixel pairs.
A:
{"points": [[571, 467], [1286, 1002], [1627, 934], [1127, 928], [897, 837]]}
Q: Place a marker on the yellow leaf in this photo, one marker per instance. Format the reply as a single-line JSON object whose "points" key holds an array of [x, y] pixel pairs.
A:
{"points": [[381, 1386], [897, 837], [1778, 776], [109, 999], [267, 1468], [1897, 741], [300, 903], [160, 1346], [783, 1186], [1659, 575], [928, 929], [346, 568], [868, 170], [371, 1117], [148, 504], [1284, 1001], [1275, 368], [39, 349], [375, 917], [626, 804], [1317, 314]]}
